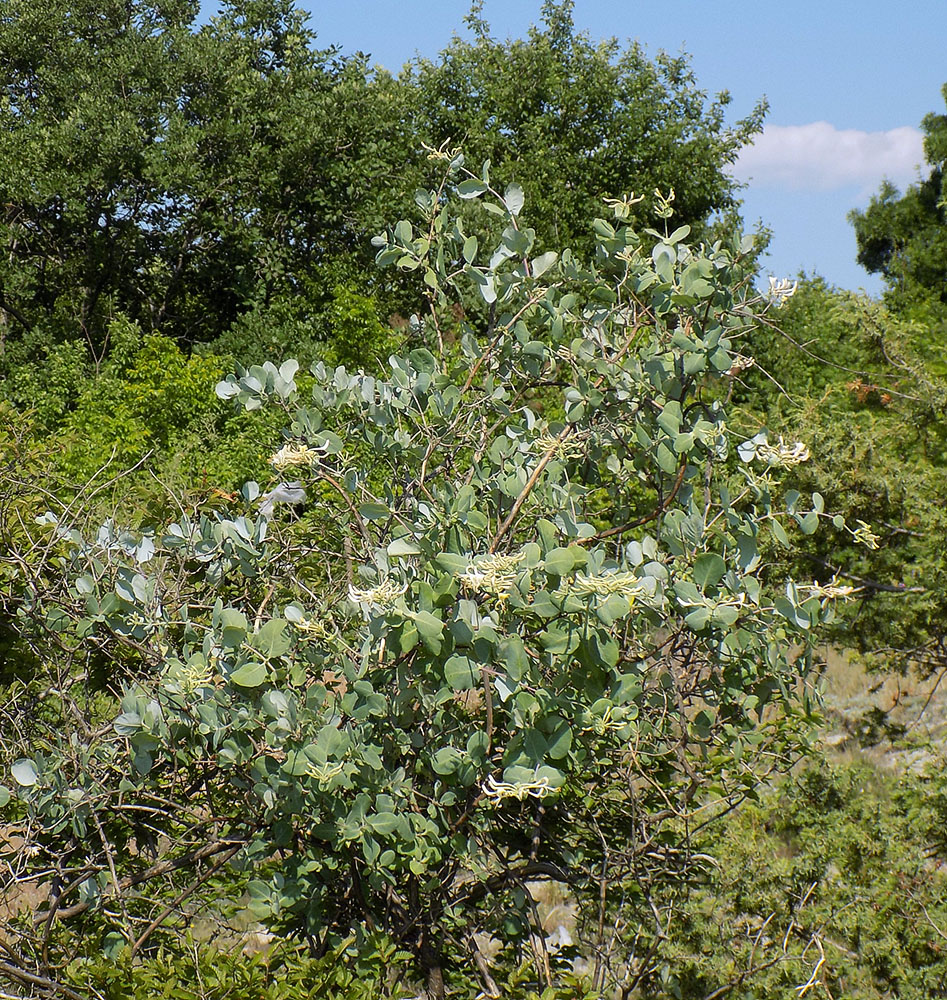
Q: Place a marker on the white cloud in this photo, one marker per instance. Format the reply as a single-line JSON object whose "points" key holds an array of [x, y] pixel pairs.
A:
{"points": [[821, 157]]}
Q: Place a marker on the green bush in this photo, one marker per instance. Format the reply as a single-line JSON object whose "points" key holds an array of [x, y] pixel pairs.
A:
{"points": [[370, 970], [835, 875], [146, 394]]}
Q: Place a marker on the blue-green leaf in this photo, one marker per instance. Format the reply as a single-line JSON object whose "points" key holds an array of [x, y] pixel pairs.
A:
{"points": [[25, 773], [514, 198], [250, 675], [708, 569]]}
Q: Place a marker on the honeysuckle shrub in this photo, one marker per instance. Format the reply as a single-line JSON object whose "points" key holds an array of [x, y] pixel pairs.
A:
{"points": [[504, 620]]}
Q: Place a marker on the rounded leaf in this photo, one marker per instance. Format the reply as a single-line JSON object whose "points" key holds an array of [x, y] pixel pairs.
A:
{"points": [[250, 675], [446, 760], [25, 773], [708, 569], [461, 673]]}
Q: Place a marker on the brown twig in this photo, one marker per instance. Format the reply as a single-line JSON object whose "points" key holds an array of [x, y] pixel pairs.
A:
{"points": [[887, 588], [161, 868], [528, 488], [488, 706], [350, 503], [193, 887], [662, 507], [21, 975], [490, 987], [107, 847]]}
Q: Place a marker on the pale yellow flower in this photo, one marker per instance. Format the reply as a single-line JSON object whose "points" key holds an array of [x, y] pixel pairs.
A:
{"points": [[864, 535], [497, 791], [494, 575], [382, 596], [782, 454], [781, 289], [293, 454]]}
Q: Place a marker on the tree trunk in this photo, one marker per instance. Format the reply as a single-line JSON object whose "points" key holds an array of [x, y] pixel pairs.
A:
{"points": [[430, 955]]}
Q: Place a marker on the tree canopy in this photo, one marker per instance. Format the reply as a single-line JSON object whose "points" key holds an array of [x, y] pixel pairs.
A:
{"points": [[225, 179], [577, 121], [903, 237], [172, 173]]}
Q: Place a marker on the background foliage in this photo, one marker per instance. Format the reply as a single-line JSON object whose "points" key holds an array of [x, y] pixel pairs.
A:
{"points": [[221, 182]]}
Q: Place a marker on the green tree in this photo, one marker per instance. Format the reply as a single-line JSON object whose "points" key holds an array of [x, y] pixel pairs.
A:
{"points": [[175, 174], [521, 632], [225, 179], [903, 237], [578, 121]]}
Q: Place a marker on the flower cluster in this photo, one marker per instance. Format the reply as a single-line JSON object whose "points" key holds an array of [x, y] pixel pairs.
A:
{"points": [[196, 673], [497, 791], [621, 207], [624, 584], [662, 203], [383, 595], [781, 289], [604, 723], [314, 628], [781, 454], [739, 363], [323, 773], [863, 535], [630, 255], [292, 454], [494, 575], [562, 448], [443, 153], [831, 591]]}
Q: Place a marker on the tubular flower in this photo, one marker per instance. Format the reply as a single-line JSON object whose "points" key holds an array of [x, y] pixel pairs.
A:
{"points": [[831, 591], [740, 363], [864, 535], [382, 596], [324, 773], [604, 723], [624, 584], [782, 454], [621, 207], [313, 627], [781, 289], [494, 575], [292, 454], [562, 448], [442, 153], [497, 791], [195, 674]]}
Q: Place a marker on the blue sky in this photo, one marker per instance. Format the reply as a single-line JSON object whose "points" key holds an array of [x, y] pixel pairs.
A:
{"points": [[836, 74]]}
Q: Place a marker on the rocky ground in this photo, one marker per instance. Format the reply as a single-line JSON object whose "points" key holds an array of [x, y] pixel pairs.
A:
{"points": [[892, 721]]}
